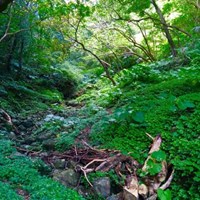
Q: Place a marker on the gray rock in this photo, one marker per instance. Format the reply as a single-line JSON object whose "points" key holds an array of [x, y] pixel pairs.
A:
{"points": [[28, 147], [130, 194], [12, 136], [3, 92], [67, 177], [114, 197], [28, 123], [43, 154], [71, 164], [18, 154], [44, 136], [49, 144], [59, 163], [52, 117], [102, 186], [22, 128]]}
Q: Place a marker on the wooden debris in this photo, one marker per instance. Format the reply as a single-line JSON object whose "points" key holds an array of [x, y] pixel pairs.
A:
{"points": [[154, 147], [7, 118], [88, 159], [130, 191], [143, 190]]}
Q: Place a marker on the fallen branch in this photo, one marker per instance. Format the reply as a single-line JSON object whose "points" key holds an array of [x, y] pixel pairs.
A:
{"points": [[168, 182], [90, 160], [7, 118], [28, 152]]}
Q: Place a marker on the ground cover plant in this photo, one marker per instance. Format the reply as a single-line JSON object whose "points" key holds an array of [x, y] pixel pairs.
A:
{"points": [[20, 173], [99, 99]]}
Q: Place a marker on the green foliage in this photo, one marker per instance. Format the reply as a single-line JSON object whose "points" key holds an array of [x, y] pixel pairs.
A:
{"points": [[154, 164], [158, 156], [44, 64], [20, 172], [153, 168], [138, 73], [7, 192], [168, 106], [78, 124], [164, 194]]}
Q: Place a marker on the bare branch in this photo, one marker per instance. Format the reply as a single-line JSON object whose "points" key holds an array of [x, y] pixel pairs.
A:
{"points": [[8, 27], [104, 64]]}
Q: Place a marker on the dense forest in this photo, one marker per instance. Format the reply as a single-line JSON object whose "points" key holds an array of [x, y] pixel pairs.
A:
{"points": [[100, 99]]}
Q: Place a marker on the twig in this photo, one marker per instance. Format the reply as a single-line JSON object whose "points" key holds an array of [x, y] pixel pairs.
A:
{"points": [[168, 182], [8, 119], [95, 160], [32, 153], [149, 136], [163, 187], [6, 116], [85, 174]]}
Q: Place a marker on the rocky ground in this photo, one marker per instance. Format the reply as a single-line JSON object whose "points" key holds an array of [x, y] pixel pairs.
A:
{"points": [[36, 136], [33, 139]]}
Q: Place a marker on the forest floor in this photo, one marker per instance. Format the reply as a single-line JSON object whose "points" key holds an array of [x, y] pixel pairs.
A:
{"points": [[107, 130]]}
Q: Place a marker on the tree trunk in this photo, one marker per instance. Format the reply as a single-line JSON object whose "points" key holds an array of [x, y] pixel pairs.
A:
{"points": [[103, 63], [21, 54], [10, 54], [4, 4], [165, 28]]}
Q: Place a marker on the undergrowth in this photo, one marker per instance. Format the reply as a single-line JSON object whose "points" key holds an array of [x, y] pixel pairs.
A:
{"points": [[19, 172], [147, 99]]}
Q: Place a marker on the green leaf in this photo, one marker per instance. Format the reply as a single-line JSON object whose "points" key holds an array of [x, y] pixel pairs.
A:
{"points": [[139, 117], [153, 168], [159, 155], [185, 104], [173, 108], [164, 194]]}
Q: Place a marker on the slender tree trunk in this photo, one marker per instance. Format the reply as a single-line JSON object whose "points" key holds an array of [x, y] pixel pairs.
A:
{"points": [[165, 28], [103, 63], [21, 54], [146, 42], [10, 54], [4, 4]]}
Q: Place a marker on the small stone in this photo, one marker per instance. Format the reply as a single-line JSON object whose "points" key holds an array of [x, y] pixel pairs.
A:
{"points": [[18, 154], [102, 186], [67, 177], [22, 128], [48, 117], [43, 154], [49, 144], [52, 117], [196, 29], [115, 197], [28, 123], [26, 147], [12, 136], [59, 163], [71, 164], [29, 140], [43, 136]]}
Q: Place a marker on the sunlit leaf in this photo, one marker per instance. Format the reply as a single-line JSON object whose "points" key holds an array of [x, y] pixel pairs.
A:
{"points": [[164, 194], [159, 155]]}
